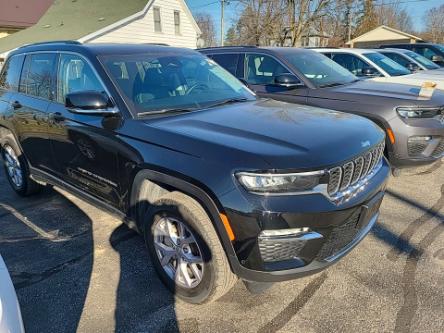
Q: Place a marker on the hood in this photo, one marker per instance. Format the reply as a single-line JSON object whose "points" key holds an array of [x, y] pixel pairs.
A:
{"points": [[285, 136], [417, 79], [383, 93]]}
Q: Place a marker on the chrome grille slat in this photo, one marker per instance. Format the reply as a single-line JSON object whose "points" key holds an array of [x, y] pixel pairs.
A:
{"points": [[350, 173], [359, 165], [347, 175]]}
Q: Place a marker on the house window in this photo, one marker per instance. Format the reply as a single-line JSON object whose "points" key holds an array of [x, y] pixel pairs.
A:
{"points": [[177, 22], [157, 21]]}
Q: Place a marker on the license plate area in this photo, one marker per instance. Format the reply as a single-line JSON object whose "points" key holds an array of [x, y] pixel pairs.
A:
{"points": [[369, 210]]}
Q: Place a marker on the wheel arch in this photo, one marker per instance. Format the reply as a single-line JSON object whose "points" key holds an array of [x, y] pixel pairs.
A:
{"points": [[161, 182]]}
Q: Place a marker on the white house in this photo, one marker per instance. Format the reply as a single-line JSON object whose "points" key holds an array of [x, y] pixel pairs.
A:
{"points": [[111, 21]]}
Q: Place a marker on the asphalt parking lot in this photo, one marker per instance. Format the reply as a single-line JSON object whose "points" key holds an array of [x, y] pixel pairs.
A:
{"points": [[76, 268]]}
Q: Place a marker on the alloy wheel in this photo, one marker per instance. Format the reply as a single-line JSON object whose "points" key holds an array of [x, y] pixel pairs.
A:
{"points": [[13, 166], [178, 252]]}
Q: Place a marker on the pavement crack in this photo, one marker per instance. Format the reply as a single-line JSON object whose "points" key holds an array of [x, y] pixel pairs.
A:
{"points": [[29, 279], [283, 317], [405, 237], [408, 310]]}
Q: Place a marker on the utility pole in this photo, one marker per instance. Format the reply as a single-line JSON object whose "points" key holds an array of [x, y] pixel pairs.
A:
{"points": [[222, 14]]}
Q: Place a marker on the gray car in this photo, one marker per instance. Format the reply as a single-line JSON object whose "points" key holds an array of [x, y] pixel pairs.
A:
{"points": [[414, 125]]}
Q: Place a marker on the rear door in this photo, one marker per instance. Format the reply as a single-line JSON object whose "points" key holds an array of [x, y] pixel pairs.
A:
{"points": [[260, 73], [30, 104], [84, 148]]}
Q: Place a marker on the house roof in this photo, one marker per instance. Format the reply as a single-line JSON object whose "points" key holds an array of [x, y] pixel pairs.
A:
{"points": [[22, 13], [383, 32], [73, 19]]}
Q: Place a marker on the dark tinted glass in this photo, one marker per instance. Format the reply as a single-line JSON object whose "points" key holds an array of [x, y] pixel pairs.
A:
{"points": [[75, 75], [227, 61], [37, 75], [350, 62], [10, 77], [263, 69], [397, 58]]}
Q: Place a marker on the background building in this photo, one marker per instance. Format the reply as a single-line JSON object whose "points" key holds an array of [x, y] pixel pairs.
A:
{"points": [[382, 35], [111, 21]]}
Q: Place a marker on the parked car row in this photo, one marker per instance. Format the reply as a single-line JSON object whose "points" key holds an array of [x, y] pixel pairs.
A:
{"points": [[221, 182]]}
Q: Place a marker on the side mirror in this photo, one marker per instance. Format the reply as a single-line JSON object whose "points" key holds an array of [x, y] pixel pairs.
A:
{"points": [[89, 102], [437, 58], [370, 71], [412, 67], [287, 81]]}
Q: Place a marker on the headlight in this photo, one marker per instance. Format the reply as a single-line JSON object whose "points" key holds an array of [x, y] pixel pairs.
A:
{"points": [[279, 183], [413, 112]]}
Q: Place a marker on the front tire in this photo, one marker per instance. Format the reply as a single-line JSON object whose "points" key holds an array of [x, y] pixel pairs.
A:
{"points": [[186, 250], [16, 170]]}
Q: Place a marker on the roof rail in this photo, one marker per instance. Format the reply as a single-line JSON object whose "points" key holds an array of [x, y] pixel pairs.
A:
{"points": [[158, 44], [227, 47], [74, 42]]}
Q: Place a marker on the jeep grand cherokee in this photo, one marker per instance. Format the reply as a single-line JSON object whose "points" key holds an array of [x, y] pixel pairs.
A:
{"points": [[414, 125], [221, 184]]}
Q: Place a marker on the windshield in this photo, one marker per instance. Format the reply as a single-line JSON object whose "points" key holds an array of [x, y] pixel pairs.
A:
{"points": [[153, 82], [422, 60], [387, 64], [320, 70]]}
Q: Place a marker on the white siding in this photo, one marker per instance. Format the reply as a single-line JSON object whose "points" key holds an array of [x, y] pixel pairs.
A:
{"points": [[142, 30]]}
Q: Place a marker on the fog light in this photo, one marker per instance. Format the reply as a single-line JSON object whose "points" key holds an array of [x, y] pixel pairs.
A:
{"points": [[419, 138], [284, 232]]}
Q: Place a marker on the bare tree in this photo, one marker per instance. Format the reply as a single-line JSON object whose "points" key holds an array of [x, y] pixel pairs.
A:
{"points": [[435, 24], [206, 25]]}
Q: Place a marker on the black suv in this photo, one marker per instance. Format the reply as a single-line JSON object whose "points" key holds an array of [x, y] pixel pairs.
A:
{"points": [[221, 184], [433, 52], [414, 125]]}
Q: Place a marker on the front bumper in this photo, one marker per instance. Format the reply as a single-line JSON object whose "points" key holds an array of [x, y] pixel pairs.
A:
{"points": [[329, 232], [418, 142]]}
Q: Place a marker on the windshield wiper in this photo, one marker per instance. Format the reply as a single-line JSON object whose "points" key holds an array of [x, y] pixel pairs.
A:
{"points": [[163, 111], [229, 101], [334, 84]]}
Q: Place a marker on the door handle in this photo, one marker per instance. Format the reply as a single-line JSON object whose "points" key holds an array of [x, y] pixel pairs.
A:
{"points": [[56, 117], [16, 105]]}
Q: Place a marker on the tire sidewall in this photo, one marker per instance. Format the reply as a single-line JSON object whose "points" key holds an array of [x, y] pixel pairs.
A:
{"points": [[175, 210]]}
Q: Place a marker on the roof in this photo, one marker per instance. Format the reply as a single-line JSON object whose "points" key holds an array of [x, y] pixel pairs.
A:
{"points": [[394, 50], [97, 49], [69, 19], [377, 35], [22, 13], [345, 50]]}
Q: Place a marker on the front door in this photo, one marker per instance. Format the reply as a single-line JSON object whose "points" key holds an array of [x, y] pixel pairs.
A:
{"points": [[260, 73], [30, 106], [84, 150]]}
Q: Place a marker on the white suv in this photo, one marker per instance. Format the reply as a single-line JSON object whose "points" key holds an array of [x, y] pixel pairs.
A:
{"points": [[373, 65]]}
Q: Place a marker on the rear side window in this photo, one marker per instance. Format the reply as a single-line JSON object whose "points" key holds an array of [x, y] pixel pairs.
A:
{"points": [[75, 75], [227, 61], [37, 77], [350, 62], [10, 76]]}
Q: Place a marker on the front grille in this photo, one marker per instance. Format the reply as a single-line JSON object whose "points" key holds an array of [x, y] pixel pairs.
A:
{"points": [[416, 148], [348, 174], [439, 150], [277, 250], [340, 237]]}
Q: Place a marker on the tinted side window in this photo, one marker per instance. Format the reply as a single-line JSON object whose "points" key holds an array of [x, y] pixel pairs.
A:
{"points": [[425, 51], [37, 75], [10, 76], [397, 58], [350, 62], [262, 69], [74, 75], [227, 61]]}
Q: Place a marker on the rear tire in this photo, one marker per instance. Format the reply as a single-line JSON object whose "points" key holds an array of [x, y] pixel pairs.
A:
{"points": [[16, 169], [212, 277]]}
